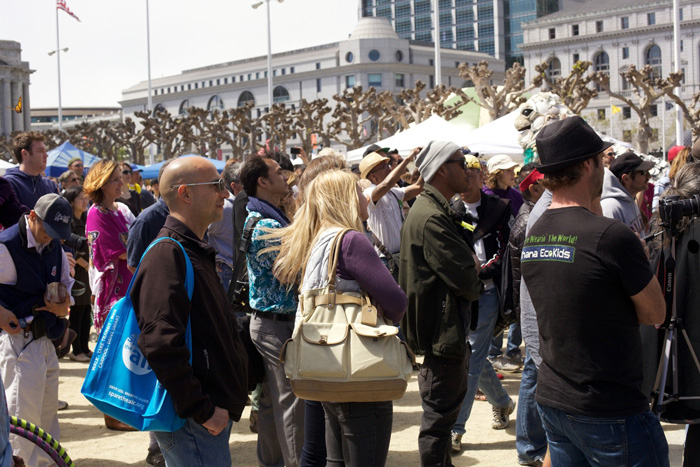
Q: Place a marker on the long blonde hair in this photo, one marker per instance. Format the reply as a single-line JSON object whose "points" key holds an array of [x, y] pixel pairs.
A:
{"points": [[330, 201]]}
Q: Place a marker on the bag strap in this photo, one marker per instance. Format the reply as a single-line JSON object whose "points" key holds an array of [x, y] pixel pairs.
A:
{"points": [[235, 286], [380, 246], [189, 274], [333, 258]]}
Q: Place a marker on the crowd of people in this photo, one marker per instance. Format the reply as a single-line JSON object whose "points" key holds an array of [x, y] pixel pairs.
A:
{"points": [[454, 252]]}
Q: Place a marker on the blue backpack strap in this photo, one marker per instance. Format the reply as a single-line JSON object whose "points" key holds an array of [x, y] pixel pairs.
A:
{"points": [[189, 273]]}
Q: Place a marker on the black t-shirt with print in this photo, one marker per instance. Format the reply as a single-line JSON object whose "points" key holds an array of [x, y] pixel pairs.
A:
{"points": [[581, 270]]}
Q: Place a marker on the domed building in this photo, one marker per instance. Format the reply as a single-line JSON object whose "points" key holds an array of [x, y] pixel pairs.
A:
{"points": [[373, 55]]}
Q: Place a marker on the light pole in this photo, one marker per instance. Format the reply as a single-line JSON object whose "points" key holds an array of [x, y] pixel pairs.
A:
{"points": [[269, 51], [58, 60], [151, 158], [438, 66]]}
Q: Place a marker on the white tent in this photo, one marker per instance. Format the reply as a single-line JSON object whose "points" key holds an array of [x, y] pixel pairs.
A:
{"points": [[434, 128], [4, 165], [497, 137]]}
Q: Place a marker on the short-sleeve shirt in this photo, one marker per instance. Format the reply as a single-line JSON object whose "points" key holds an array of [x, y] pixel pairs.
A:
{"points": [[386, 217], [581, 270]]}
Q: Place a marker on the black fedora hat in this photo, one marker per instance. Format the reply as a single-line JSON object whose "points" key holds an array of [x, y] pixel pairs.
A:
{"points": [[567, 142]]}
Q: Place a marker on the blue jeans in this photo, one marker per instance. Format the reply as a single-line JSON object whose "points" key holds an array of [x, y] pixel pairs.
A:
{"points": [[515, 338], [193, 446], [577, 440], [530, 438], [481, 373]]}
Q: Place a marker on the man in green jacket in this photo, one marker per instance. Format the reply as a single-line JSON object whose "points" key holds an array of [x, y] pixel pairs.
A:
{"points": [[440, 277]]}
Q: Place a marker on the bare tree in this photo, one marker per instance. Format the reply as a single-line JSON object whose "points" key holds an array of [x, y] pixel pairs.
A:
{"points": [[499, 100], [646, 89], [170, 134], [130, 139], [574, 90], [94, 138], [309, 120], [352, 115], [278, 125], [691, 112]]}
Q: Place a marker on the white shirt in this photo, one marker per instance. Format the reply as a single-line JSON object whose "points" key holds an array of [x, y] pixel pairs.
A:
{"points": [[386, 217], [8, 272]]}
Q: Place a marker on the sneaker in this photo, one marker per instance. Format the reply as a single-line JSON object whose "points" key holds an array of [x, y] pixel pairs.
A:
{"points": [[516, 359], [81, 357], [62, 405], [533, 463], [253, 421], [501, 364], [155, 458], [501, 416], [456, 442]]}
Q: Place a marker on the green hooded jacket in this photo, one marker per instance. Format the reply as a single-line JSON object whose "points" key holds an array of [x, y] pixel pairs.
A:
{"points": [[438, 274]]}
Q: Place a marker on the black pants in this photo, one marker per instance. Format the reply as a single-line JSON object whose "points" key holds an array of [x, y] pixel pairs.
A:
{"points": [[313, 454], [80, 322], [691, 454], [442, 383], [358, 433]]}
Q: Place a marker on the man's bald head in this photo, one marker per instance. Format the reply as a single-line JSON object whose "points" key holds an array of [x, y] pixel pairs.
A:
{"points": [[182, 171]]}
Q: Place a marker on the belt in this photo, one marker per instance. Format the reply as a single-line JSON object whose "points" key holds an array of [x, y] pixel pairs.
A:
{"points": [[38, 327], [275, 316]]}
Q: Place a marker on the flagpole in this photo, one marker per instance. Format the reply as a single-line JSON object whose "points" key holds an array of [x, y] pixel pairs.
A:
{"points": [[58, 61], [612, 115], [664, 154], [150, 98], [677, 59]]}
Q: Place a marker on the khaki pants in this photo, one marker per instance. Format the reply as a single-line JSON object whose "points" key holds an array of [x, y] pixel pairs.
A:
{"points": [[29, 371]]}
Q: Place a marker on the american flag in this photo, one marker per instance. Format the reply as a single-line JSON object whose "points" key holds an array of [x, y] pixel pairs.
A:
{"points": [[61, 5]]}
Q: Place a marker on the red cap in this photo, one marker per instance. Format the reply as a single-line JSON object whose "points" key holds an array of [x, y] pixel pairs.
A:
{"points": [[673, 152], [530, 180]]}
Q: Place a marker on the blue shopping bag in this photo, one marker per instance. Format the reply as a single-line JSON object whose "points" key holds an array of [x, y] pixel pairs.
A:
{"points": [[119, 382]]}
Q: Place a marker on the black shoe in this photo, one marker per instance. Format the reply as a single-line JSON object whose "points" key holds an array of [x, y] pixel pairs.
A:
{"points": [[253, 421], [155, 458]]}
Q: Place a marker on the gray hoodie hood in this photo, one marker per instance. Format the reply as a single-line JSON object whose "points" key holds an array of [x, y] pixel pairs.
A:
{"points": [[617, 203]]}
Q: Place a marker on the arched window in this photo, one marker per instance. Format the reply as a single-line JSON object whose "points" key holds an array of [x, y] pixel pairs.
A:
{"points": [[554, 70], [184, 106], [246, 96], [158, 108], [601, 62], [215, 103], [653, 57], [280, 94]]}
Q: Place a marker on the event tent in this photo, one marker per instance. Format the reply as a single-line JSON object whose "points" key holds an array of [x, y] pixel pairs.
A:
{"points": [[151, 171], [59, 157], [4, 165], [497, 137]]}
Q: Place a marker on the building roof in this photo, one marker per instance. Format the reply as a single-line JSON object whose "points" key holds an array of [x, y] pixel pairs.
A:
{"points": [[371, 27], [571, 8]]}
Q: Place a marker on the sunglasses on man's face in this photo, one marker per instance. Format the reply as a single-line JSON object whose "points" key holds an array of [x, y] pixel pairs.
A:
{"points": [[126, 172], [220, 184]]}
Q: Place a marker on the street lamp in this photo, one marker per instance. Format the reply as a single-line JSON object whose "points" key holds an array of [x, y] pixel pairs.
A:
{"points": [[58, 61], [269, 50]]}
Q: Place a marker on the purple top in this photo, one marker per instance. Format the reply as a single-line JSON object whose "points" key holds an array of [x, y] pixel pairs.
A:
{"points": [[10, 207], [516, 199], [358, 261]]}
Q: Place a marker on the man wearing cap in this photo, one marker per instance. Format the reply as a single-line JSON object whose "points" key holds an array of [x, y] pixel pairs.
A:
{"points": [[490, 217], [609, 157], [76, 166], [591, 286], [628, 175], [530, 438], [440, 277], [27, 179], [384, 152], [31, 259], [385, 201]]}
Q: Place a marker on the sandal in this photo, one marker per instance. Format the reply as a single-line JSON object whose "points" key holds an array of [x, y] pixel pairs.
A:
{"points": [[480, 396]]}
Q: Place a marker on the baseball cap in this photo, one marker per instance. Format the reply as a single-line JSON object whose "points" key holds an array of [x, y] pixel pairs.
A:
{"points": [[629, 162], [370, 162], [532, 178], [472, 162], [500, 162], [673, 152], [375, 148], [55, 212]]}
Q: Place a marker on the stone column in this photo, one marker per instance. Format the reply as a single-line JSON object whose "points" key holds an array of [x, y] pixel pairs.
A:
{"points": [[6, 102], [16, 118], [26, 112]]}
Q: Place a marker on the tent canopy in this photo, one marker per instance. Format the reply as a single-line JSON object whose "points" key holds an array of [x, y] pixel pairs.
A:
{"points": [[59, 157], [151, 171], [4, 165]]}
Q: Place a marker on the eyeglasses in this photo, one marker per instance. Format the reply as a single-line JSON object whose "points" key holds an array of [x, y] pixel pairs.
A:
{"points": [[220, 184], [461, 161], [126, 172]]}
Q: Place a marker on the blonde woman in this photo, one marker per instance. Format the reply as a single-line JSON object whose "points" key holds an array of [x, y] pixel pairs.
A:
{"points": [[357, 433]]}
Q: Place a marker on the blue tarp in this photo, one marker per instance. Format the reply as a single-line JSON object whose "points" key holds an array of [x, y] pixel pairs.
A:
{"points": [[59, 157], [151, 171]]}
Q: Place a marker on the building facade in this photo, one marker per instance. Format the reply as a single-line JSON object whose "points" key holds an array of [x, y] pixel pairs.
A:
{"points": [[14, 84], [374, 55], [613, 36], [489, 26]]}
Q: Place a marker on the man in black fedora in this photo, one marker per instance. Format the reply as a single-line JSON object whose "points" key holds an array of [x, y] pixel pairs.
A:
{"points": [[589, 383]]}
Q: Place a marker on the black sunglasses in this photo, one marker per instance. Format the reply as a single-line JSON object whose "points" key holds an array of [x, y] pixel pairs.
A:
{"points": [[126, 172], [461, 161]]}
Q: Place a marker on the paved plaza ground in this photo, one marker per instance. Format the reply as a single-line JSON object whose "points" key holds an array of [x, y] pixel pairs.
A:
{"points": [[90, 444]]}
